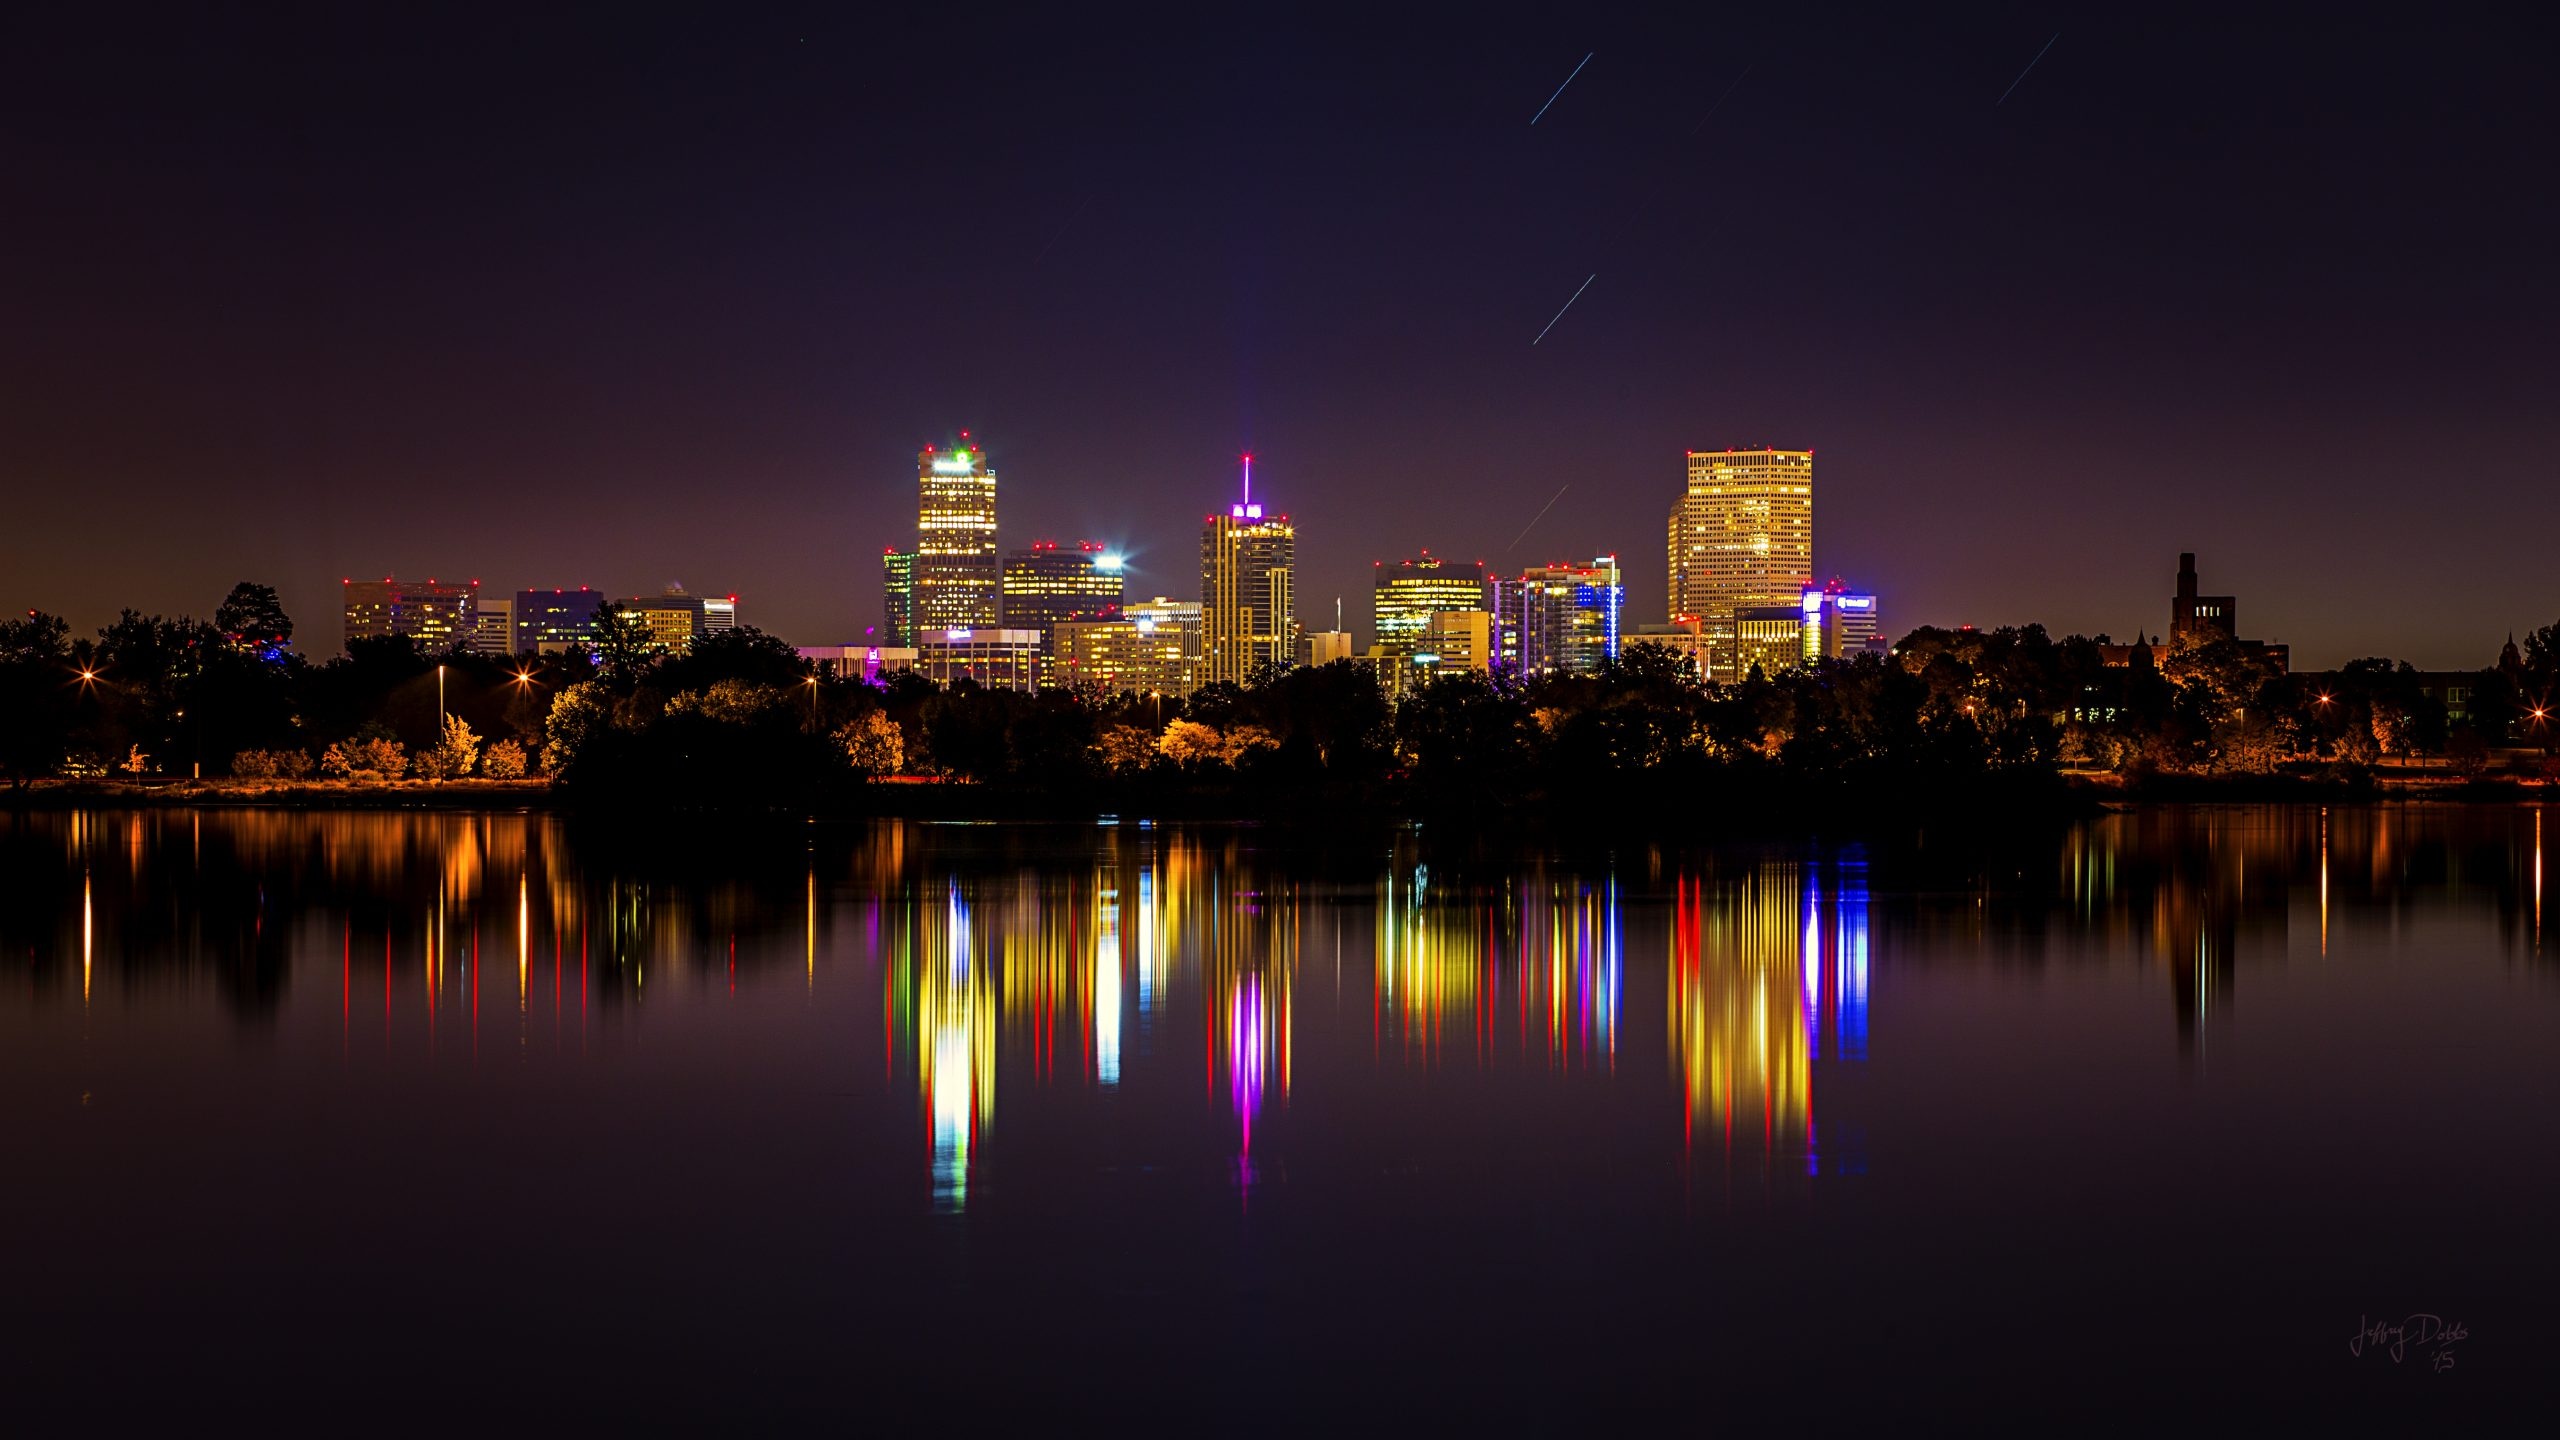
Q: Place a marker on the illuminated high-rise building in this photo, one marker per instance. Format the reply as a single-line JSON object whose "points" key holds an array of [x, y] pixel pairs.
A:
{"points": [[1248, 562], [1741, 536], [1152, 647], [1045, 584], [958, 578], [898, 595], [719, 614], [440, 616], [1559, 619], [1410, 592]]}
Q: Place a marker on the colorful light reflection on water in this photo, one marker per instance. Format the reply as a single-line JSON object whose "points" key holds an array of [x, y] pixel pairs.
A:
{"points": [[1118, 1032]]}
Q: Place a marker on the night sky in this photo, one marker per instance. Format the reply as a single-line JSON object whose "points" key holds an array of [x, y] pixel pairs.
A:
{"points": [[619, 299]]}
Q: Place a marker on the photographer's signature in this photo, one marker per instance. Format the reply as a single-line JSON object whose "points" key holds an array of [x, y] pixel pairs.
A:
{"points": [[2431, 1337]]}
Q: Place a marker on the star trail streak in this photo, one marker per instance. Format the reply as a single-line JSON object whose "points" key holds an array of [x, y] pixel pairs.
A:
{"points": [[2014, 84], [1542, 110], [1577, 294]]}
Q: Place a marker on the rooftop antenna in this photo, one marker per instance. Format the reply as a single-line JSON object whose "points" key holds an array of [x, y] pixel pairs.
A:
{"points": [[1248, 477]]}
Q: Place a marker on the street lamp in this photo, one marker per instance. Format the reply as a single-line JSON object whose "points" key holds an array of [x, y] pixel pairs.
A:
{"points": [[439, 704], [813, 702]]}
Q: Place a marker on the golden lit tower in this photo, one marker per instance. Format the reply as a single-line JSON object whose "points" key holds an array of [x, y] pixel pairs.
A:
{"points": [[1247, 561], [1741, 536], [1410, 592], [958, 577]]}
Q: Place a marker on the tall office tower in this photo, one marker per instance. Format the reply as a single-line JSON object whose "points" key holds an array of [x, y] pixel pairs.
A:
{"points": [[1559, 619], [1247, 564], [1044, 585], [440, 617], [1741, 536], [494, 632], [1410, 592], [959, 580], [552, 622], [897, 596], [719, 614]]}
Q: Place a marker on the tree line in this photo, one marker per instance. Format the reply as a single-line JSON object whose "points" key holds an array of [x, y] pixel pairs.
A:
{"points": [[740, 720]]}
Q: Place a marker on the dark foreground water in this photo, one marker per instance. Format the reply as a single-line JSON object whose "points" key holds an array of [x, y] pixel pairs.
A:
{"points": [[356, 1122]]}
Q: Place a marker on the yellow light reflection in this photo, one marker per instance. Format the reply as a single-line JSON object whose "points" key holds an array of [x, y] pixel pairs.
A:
{"points": [[1739, 1031], [524, 942]]}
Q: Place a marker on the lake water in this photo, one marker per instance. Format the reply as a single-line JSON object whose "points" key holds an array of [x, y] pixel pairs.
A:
{"points": [[375, 1121]]}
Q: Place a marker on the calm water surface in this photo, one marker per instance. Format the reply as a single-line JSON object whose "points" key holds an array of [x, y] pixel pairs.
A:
{"points": [[380, 1121]]}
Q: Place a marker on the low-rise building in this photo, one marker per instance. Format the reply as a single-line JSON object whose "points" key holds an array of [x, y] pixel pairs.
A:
{"points": [[995, 657], [439, 615], [1323, 647], [866, 663], [494, 632], [1769, 637], [1454, 640], [554, 622]]}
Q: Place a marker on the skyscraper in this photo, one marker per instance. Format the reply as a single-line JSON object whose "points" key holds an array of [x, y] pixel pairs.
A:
{"points": [[1559, 619], [1247, 562], [440, 616], [1044, 585], [898, 596], [1410, 592], [1741, 536], [959, 580]]}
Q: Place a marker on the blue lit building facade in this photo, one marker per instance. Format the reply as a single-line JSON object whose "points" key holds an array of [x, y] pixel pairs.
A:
{"points": [[1559, 619]]}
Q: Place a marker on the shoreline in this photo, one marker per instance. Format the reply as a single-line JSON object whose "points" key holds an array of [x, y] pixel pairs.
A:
{"points": [[2069, 796]]}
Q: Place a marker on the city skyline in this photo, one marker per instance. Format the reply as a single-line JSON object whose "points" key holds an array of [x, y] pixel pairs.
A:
{"points": [[990, 543], [2026, 383], [1081, 717]]}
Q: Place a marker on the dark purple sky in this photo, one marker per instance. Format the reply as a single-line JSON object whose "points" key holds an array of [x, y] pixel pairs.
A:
{"points": [[619, 298]]}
